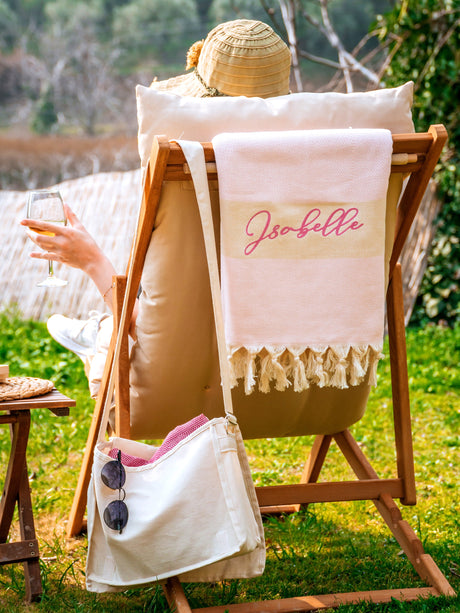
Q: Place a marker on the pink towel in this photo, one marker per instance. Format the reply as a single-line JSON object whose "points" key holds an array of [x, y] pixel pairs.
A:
{"points": [[172, 439], [302, 247]]}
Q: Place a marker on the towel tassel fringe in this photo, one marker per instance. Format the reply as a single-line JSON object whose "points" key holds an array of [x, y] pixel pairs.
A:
{"points": [[338, 366]]}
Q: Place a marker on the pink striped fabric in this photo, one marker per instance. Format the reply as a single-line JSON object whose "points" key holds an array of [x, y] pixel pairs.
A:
{"points": [[302, 255], [172, 439]]}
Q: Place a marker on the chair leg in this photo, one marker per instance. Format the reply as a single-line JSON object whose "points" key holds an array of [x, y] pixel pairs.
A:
{"points": [[310, 474], [400, 387], [122, 418], [412, 546], [19, 431], [389, 510], [316, 459], [75, 522], [17, 492], [175, 596], [33, 582]]}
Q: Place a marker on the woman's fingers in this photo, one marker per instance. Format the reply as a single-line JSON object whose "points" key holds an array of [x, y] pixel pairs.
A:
{"points": [[43, 227], [71, 217], [45, 255], [44, 241]]}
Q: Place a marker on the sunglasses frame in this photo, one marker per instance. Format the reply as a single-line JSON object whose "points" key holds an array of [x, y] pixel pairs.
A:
{"points": [[117, 507]]}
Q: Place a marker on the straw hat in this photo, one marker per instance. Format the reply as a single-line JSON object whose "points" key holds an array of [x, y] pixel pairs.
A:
{"points": [[238, 58]]}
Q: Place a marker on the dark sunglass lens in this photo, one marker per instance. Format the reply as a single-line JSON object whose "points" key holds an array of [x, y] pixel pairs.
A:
{"points": [[113, 475], [116, 515]]}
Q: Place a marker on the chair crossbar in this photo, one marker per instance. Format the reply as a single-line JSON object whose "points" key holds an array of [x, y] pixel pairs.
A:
{"points": [[326, 601], [332, 491]]}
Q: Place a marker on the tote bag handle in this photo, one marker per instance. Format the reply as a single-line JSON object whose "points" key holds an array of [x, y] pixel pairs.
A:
{"points": [[194, 154]]}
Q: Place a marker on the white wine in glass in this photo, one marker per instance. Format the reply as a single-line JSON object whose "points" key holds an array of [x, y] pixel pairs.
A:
{"points": [[47, 205]]}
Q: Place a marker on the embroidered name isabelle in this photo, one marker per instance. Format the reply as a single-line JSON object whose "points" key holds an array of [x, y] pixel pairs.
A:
{"points": [[337, 223]]}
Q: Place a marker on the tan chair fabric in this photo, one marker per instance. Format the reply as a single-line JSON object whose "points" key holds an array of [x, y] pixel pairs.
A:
{"points": [[174, 366]]}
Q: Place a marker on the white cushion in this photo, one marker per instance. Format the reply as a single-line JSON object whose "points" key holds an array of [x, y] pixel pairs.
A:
{"points": [[201, 119]]}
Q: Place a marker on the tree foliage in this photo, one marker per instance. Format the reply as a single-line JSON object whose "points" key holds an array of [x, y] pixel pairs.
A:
{"points": [[9, 27], [424, 39], [154, 30]]}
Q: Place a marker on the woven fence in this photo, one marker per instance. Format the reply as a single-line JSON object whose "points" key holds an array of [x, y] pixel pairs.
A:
{"points": [[107, 204]]}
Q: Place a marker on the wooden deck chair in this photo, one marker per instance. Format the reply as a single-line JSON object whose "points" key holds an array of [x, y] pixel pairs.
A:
{"points": [[413, 154]]}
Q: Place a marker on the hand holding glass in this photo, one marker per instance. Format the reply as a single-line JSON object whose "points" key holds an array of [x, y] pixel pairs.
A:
{"points": [[47, 205]]}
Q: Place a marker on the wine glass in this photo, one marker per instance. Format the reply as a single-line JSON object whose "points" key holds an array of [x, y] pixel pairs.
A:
{"points": [[47, 205]]}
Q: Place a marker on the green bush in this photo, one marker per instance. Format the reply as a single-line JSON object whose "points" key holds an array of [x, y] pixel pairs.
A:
{"points": [[45, 116], [425, 39]]}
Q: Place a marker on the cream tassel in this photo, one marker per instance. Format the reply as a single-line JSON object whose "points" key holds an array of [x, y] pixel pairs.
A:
{"points": [[279, 373], [374, 357], [320, 373], [357, 358], [329, 363], [250, 372], [299, 375], [237, 365], [310, 365], [265, 373], [340, 364]]}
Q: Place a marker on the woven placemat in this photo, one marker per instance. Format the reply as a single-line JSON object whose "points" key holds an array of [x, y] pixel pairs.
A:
{"points": [[15, 388]]}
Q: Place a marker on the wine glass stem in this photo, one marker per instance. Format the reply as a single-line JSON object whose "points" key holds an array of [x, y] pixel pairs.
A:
{"points": [[50, 268]]}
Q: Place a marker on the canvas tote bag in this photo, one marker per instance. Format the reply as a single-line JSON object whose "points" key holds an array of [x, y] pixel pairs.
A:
{"points": [[193, 513]]}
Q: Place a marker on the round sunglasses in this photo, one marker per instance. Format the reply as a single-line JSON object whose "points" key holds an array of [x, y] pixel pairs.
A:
{"points": [[113, 475]]}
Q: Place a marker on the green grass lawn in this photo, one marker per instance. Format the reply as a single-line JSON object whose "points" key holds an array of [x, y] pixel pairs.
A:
{"points": [[328, 548]]}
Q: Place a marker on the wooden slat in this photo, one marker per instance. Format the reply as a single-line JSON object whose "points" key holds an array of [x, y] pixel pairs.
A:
{"points": [[174, 593], [54, 400], [400, 386], [326, 601], [16, 463], [316, 458], [305, 493], [77, 511], [401, 530], [354, 455], [412, 143], [9, 418], [419, 144], [32, 576], [122, 417], [412, 546], [18, 552], [402, 143], [415, 189], [310, 473]]}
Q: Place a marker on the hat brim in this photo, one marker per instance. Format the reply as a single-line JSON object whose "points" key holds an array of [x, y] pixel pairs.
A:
{"points": [[183, 85]]}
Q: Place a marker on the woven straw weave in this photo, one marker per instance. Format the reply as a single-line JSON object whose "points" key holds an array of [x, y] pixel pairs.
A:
{"points": [[15, 388], [107, 205]]}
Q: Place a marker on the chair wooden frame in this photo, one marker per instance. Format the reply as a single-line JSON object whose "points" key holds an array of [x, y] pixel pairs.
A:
{"points": [[16, 491], [416, 154]]}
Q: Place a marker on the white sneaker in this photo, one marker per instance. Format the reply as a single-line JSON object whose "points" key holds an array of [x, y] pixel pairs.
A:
{"points": [[78, 335]]}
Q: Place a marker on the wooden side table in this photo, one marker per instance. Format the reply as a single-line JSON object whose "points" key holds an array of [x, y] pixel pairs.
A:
{"points": [[16, 488]]}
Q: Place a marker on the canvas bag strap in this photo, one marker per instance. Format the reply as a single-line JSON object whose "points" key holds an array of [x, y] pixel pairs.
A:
{"points": [[194, 154]]}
